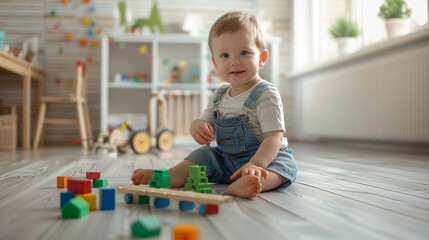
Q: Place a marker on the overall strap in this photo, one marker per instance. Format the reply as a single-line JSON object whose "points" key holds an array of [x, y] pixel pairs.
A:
{"points": [[219, 92], [254, 96]]}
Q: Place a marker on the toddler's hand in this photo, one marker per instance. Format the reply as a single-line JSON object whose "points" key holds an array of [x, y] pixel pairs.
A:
{"points": [[250, 169], [141, 176], [202, 133]]}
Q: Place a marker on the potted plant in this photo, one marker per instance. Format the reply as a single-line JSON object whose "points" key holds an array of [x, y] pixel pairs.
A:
{"points": [[345, 31], [396, 15]]}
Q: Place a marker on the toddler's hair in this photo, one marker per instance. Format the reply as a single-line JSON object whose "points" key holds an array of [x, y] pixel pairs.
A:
{"points": [[234, 21]]}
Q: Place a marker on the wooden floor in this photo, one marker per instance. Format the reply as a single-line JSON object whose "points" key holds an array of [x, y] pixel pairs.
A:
{"points": [[343, 191]]}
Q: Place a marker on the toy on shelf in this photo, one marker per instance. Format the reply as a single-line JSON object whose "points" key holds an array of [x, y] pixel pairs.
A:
{"points": [[153, 21]]}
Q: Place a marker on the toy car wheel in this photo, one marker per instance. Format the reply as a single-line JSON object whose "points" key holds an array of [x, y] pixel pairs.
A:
{"points": [[140, 142], [164, 140]]}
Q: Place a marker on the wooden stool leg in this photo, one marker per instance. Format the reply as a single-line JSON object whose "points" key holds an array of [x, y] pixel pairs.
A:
{"points": [[88, 125], [82, 126], [40, 124]]}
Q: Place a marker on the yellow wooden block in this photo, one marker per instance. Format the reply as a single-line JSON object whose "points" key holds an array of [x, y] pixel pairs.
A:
{"points": [[91, 198], [62, 181]]}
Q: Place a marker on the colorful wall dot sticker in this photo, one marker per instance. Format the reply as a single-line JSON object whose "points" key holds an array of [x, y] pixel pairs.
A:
{"points": [[94, 44], [65, 1], [86, 20], [86, 1], [89, 59], [90, 31], [93, 8], [70, 84], [53, 13], [83, 42], [70, 36], [121, 46], [143, 49]]}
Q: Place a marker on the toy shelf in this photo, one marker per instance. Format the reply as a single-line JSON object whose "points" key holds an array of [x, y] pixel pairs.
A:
{"points": [[133, 67]]}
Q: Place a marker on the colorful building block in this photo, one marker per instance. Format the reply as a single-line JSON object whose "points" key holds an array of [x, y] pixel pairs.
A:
{"points": [[65, 197], [186, 205], [75, 208], [186, 232], [62, 181], [197, 180], [129, 198], [93, 175], [102, 182], [146, 227], [91, 199], [107, 198], [160, 179], [79, 186], [144, 200], [208, 209]]}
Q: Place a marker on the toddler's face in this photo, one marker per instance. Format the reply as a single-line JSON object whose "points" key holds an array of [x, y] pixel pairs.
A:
{"points": [[237, 59]]}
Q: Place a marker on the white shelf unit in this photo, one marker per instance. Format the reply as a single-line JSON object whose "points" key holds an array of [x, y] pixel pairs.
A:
{"points": [[154, 57]]}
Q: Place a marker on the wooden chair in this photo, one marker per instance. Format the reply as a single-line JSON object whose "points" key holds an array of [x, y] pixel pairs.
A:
{"points": [[80, 99]]}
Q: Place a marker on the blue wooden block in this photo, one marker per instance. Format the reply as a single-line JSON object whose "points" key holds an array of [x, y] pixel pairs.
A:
{"points": [[128, 198], [107, 198], [202, 210], [161, 202], [186, 206], [65, 197]]}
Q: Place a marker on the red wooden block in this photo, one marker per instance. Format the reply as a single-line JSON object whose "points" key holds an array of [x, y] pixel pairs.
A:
{"points": [[212, 209], [79, 186], [62, 181], [93, 175]]}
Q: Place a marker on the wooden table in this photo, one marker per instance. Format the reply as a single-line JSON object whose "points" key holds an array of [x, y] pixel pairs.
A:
{"points": [[28, 71]]}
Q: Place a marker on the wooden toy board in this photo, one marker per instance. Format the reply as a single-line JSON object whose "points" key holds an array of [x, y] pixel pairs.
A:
{"points": [[200, 198]]}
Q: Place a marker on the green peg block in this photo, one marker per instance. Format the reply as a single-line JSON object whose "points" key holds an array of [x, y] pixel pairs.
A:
{"points": [[201, 186], [197, 169], [190, 187], [204, 190], [198, 180], [197, 175]]}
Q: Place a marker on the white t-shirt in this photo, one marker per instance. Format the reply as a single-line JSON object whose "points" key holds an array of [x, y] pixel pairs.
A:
{"points": [[267, 117]]}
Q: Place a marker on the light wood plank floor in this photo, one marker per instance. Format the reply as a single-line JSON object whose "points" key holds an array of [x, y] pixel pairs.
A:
{"points": [[343, 191]]}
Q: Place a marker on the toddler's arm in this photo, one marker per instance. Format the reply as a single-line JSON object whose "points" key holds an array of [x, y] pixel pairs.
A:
{"points": [[263, 157], [202, 131]]}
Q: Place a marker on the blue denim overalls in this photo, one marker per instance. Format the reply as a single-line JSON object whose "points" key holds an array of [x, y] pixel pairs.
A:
{"points": [[236, 144]]}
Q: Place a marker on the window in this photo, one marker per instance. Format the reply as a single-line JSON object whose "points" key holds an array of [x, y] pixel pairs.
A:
{"points": [[312, 20]]}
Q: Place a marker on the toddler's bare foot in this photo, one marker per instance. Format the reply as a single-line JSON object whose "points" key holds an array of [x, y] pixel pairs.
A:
{"points": [[141, 176], [247, 186]]}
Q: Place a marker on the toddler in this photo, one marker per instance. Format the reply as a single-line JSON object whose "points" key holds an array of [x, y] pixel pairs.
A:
{"points": [[244, 117]]}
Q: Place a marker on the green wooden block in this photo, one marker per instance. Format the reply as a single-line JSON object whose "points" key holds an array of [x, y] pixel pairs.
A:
{"points": [[201, 186], [159, 184], [198, 180], [197, 175], [144, 199], [75, 208], [97, 183], [197, 169], [160, 179], [204, 190], [190, 186], [146, 227]]}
